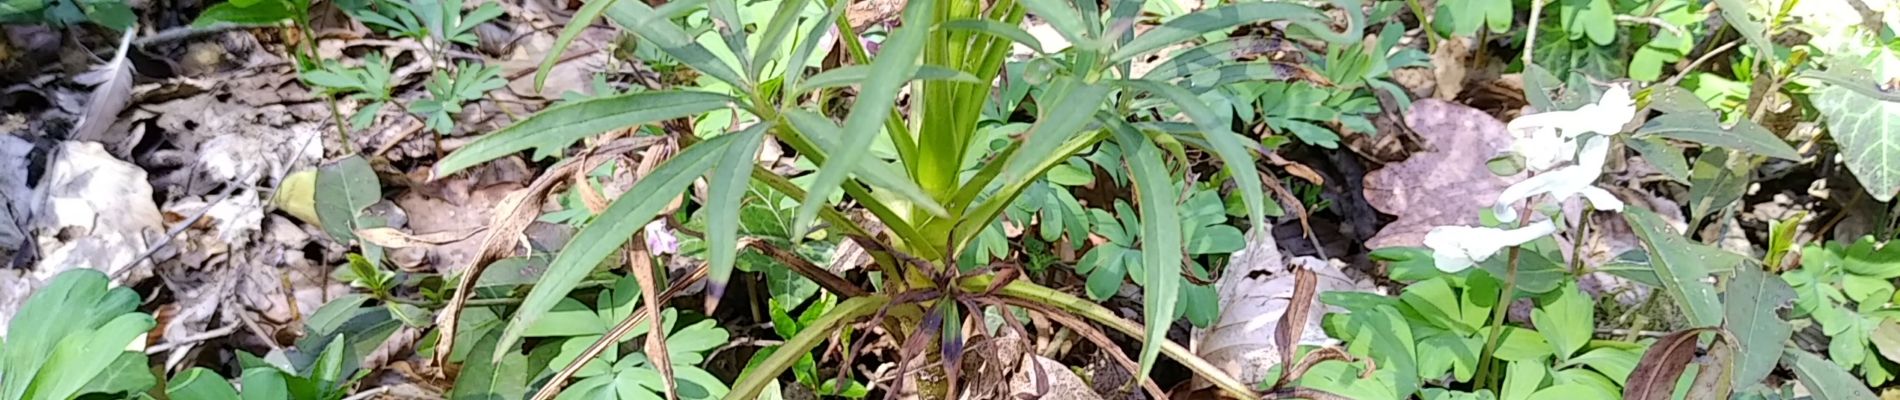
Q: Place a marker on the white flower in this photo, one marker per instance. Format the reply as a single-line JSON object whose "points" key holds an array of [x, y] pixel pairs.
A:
{"points": [[1550, 138], [1455, 248], [1564, 183]]}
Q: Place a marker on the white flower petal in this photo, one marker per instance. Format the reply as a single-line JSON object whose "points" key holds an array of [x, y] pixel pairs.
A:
{"points": [[1455, 248]]}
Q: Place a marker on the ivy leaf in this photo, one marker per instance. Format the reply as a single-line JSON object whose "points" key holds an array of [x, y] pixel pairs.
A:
{"points": [[1868, 131]]}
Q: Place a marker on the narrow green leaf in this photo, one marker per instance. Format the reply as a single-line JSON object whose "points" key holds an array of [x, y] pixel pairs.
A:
{"points": [[551, 131], [854, 74], [878, 173], [1243, 72], [655, 28], [1679, 266], [1752, 299], [344, 189], [726, 21], [612, 228], [575, 25], [783, 20], [1735, 13], [1855, 78], [1160, 238], [1213, 54], [998, 29], [1066, 113], [1869, 134], [801, 54], [1064, 18], [200, 383], [1230, 147], [1824, 380], [1201, 22], [1704, 128], [728, 187], [895, 64]]}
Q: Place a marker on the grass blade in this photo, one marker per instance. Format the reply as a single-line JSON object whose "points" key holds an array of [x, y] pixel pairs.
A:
{"points": [[600, 238], [998, 29], [879, 174], [855, 74], [895, 65], [1229, 146], [726, 20], [582, 18], [1228, 16], [724, 196], [783, 20], [1160, 238], [552, 130], [653, 27], [1067, 114]]}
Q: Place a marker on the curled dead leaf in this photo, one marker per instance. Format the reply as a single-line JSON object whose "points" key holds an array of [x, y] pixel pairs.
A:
{"points": [[1655, 375], [1448, 183]]}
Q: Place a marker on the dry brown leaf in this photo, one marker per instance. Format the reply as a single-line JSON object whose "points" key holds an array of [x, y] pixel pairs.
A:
{"points": [[1447, 183], [1256, 293], [396, 239], [1655, 375], [512, 216], [1448, 67]]}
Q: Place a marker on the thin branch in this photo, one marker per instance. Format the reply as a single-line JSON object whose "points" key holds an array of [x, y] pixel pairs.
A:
{"points": [[206, 335]]}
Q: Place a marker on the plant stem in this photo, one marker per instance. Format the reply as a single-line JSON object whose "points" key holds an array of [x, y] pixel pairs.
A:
{"points": [[1503, 305], [1029, 291], [1576, 243], [1431, 37]]}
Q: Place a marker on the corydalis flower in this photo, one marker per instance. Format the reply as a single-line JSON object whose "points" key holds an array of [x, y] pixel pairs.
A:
{"points": [[1455, 248], [1550, 138], [1564, 183]]}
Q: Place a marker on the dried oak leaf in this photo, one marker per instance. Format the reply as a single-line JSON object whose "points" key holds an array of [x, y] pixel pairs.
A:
{"points": [[1447, 183]]}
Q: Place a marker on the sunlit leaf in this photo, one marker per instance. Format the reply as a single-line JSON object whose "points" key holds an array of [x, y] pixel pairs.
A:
{"points": [[1681, 267], [1704, 128], [1227, 16], [855, 74], [1227, 145], [655, 28], [1750, 303], [576, 24]]}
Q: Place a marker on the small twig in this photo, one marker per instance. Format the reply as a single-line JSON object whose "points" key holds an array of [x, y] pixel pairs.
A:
{"points": [[207, 335], [1684, 71], [1658, 22]]}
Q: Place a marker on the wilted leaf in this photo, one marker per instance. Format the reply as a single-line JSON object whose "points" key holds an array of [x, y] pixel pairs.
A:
{"points": [[112, 90], [1255, 295], [396, 239], [1655, 376]]}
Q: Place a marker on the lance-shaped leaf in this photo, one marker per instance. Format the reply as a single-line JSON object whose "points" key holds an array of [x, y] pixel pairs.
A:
{"points": [[998, 29], [894, 65], [612, 228], [654, 27], [1706, 129], [1230, 147], [1062, 16], [726, 21], [575, 25], [1072, 104], [783, 20], [1825, 380], [552, 130], [728, 189], [880, 174], [1160, 238]]}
